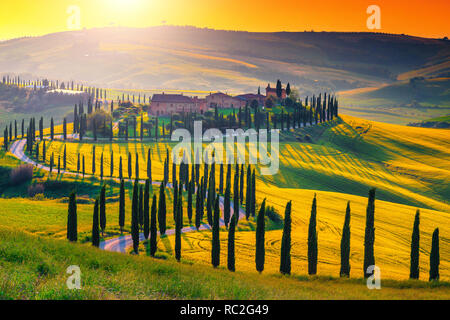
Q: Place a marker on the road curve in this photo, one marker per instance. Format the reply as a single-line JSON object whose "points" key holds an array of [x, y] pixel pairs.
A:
{"points": [[122, 243]]}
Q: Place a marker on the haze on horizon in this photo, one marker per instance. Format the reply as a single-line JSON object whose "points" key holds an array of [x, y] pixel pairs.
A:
{"points": [[21, 18]]}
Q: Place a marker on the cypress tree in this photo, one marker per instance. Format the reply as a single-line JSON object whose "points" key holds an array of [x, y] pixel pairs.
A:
{"points": [[93, 159], [84, 167], [162, 210], [215, 250], [52, 130], [141, 207], [178, 223], [415, 246], [248, 194], [59, 164], [434, 256], [231, 235], [345, 245], [227, 204], [221, 179], [65, 158], [210, 204], [95, 231], [241, 186], [101, 166], [120, 169], [72, 218], [369, 238], [189, 204], [260, 235], [135, 218], [122, 206], [149, 165], [147, 209], [51, 162], [153, 230], [253, 193], [236, 196], [312, 239], [175, 199], [78, 163], [285, 258], [130, 172], [111, 165], [198, 203], [65, 129], [103, 209]]}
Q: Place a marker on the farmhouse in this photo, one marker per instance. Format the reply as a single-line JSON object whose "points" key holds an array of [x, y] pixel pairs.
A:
{"points": [[249, 97], [222, 100], [272, 92], [163, 104]]}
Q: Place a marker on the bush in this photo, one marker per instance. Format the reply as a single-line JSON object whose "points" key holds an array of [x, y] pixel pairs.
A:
{"points": [[21, 174], [35, 189], [273, 215]]}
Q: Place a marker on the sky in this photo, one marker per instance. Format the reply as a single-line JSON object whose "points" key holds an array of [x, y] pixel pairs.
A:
{"points": [[423, 18]]}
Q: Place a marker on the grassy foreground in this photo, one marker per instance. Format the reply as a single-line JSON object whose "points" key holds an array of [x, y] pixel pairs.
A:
{"points": [[33, 267]]}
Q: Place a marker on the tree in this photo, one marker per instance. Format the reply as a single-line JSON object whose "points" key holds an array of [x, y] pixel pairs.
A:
{"points": [[253, 193], [101, 166], [285, 257], [415, 246], [130, 171], [248, 194], [162, 209], [227, 204], [178, 224], [175, 199], [135, 217], [215, 250], [189, 204], [141, 207], [198, 208], [65, 129], [64, 158], [103, 209], [231, 235], [221, 179], [72, 218], [93, 159], [149, 165], [236, 194], [241, 185], [137, 167], [288, 89], [369, 238], [147, 209], [434, 256], [52, 129], [120, 169], [312, 239], [111, 165], [260, 235], [95, 231], [345, 245], [122, 206], [153, 230], [279, 89]]}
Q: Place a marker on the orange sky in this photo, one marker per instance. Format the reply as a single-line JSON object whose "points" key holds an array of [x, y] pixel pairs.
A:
{"points": [[416, 17]]}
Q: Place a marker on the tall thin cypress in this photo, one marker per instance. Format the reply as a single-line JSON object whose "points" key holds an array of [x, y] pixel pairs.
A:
{"points": [[260, 235], [122, 206], [231, 261], [149, 165], [227, 204], [178, 223], [345, 245], [153, 230], [198, 203], [72, 233], [135, 218], [162, 209], [434, 256], [189, 204], [285, 257], [415, 246], [253, 194], [215, 250], [141, 207], [103, 209], [248, 194], [95, 231], [236, 196], [147, 209], [312, 239], [369, 238]]}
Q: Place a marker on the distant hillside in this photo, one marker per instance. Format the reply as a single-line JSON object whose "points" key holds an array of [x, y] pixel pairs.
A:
{"points": [[402, 102], [439, 122], [204, 59]]}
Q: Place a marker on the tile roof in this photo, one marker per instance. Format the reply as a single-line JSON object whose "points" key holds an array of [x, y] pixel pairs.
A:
{"points": [[171, 98]]}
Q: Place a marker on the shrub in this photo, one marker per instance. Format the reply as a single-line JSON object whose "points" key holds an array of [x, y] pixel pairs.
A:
{"points": [[273, 215], [35, 189], [21, 174]]}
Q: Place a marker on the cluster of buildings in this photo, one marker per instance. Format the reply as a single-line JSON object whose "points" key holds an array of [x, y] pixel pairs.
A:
{"points": [[163, 104]]}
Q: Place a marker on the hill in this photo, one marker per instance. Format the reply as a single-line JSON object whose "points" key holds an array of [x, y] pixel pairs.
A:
{"points": [[170, 57], [401, 102]]}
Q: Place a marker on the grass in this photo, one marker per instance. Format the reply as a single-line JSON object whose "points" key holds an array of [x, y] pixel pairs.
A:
{"points": [[33, 267]]}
